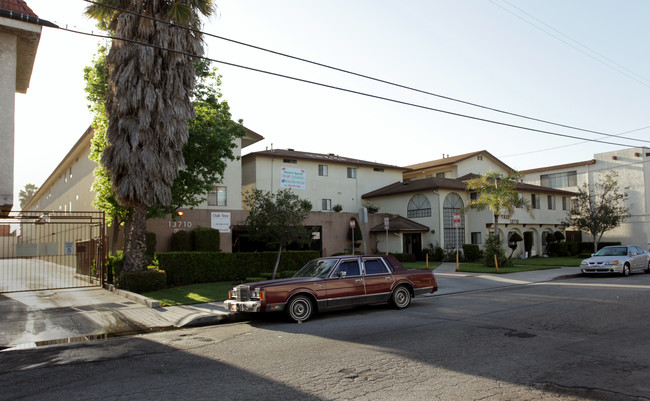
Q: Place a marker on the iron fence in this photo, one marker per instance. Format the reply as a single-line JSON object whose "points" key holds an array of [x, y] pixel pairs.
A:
{"points": [[51, 250]]}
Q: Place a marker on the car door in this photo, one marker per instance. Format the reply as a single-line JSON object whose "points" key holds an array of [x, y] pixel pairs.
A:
{"points": [[640, 259], [378, 278], [345, 286]]}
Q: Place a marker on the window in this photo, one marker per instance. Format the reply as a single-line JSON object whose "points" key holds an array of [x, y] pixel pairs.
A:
{"points": [[378, 169], [575, 203], [521, 197], [560, 180], [476, 238], [440, 175], [551, 202], [290, 161], [565, 203], [327, 204], [322, 170], [374, 266], [218, 196], [418, 206], [352, 172], [534, 200], [454, 237], [473, 196], [350, 267]]}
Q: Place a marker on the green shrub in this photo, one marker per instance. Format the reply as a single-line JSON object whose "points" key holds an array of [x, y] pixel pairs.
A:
{"points": [[558, 236], [438, 254], [404, 257], [471, 252], [181, 242], [151, 245], [206, 239], [143, 281], [494, 246], [208, 267], [114, 267]]}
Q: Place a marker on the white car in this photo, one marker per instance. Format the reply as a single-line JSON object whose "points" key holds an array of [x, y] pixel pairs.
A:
{"points": [[622, 259]]}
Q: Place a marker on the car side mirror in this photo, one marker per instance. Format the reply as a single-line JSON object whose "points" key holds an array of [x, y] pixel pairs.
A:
{"points": [[342, 274]]}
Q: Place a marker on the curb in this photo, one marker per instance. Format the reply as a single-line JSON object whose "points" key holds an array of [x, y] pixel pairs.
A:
{"points": [[132, 296]]}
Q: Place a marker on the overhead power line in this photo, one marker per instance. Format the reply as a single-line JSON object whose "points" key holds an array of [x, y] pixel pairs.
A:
{"points": [[370, 77], [590, 53], [348, 90]]}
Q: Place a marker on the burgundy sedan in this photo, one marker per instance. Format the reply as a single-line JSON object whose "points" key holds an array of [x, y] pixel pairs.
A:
{"points": [[334, 283]]}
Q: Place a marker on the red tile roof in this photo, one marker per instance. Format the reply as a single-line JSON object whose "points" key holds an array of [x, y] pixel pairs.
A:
{"points": [[17, 6]]}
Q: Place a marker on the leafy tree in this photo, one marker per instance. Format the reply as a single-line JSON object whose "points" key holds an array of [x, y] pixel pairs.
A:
{"points": [[277, 219], [211, 141], [26, 194], [513, 243], [148, 104], [600, 208], [498, 194]]}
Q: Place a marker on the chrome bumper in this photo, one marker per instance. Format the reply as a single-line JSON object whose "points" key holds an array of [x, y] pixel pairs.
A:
{"points": [[243, 306]]}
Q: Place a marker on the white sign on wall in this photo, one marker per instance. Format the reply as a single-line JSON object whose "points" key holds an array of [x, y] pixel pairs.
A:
{"points": [[293, 178], [220, 221]]}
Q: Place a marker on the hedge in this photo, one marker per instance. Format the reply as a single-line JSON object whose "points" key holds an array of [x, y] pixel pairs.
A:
{"points": [[206, 239], [471, 252], [575, 248], [207, 267]]}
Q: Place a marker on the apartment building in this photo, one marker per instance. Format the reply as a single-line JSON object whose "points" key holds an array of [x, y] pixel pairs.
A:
{"points": [[633, 171], [433, 196]]}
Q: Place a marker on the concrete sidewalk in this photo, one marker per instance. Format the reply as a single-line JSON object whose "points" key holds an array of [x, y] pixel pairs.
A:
{"points": [[44, 317]]}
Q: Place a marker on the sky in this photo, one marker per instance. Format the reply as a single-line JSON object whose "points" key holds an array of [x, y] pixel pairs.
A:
{"points": [[579, 63]]}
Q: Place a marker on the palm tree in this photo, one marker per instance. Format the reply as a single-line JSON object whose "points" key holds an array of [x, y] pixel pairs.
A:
{"points": [[148, 104], [498, 194]]}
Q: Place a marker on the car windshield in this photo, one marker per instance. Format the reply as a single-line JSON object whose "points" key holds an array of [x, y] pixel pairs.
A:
{"points": [[316, 268], [616, 251]]}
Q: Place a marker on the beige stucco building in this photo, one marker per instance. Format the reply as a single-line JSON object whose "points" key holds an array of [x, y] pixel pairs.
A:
{"points": [[20, 32], [433, 193], [326, 180], [631, 166]]}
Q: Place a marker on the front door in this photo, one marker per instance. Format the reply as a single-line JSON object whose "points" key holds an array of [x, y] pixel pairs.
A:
{"points": [[413, 244]]}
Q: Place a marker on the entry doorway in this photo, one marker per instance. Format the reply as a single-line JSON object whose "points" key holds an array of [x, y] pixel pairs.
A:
{"points": [[412, 243]]}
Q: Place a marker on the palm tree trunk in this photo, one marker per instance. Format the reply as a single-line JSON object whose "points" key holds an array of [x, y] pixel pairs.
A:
{"points": [[134, 253]]}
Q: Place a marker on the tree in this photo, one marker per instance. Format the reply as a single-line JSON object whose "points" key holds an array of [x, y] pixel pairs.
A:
{"points": [[277, 219], [148, 104], [26, 194], [513, 243], [498, 194], [600, 208]]}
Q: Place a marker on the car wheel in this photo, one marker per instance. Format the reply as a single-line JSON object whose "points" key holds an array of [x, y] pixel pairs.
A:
{"points": [[626, 270], [401, 297], [647, 269], [299, 308]]}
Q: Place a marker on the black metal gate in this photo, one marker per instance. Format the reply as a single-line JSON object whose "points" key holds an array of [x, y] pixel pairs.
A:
{"points": [[51, 250]]}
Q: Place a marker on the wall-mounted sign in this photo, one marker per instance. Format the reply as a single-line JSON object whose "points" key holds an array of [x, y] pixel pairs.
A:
{"points": [[220, 221], [293, 178]]}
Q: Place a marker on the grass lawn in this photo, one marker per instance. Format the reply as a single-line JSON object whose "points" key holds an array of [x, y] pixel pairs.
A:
{"points": [[191, 294], [522, 265]]}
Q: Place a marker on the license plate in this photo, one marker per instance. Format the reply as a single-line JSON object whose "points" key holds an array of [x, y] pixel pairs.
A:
{"points": [[233, 308]]}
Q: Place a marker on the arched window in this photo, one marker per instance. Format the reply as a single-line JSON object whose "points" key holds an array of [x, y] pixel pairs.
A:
{"points": [[454, 237], [418, 206]]}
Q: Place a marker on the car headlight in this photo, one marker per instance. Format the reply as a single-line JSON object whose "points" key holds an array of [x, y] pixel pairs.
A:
{"points": [[258, 293], [612, 262], [584, 262], [232, 294]]}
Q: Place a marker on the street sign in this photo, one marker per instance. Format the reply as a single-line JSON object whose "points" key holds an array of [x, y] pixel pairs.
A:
{"points": [[457, 220], [386, 223], [352, 224]]}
